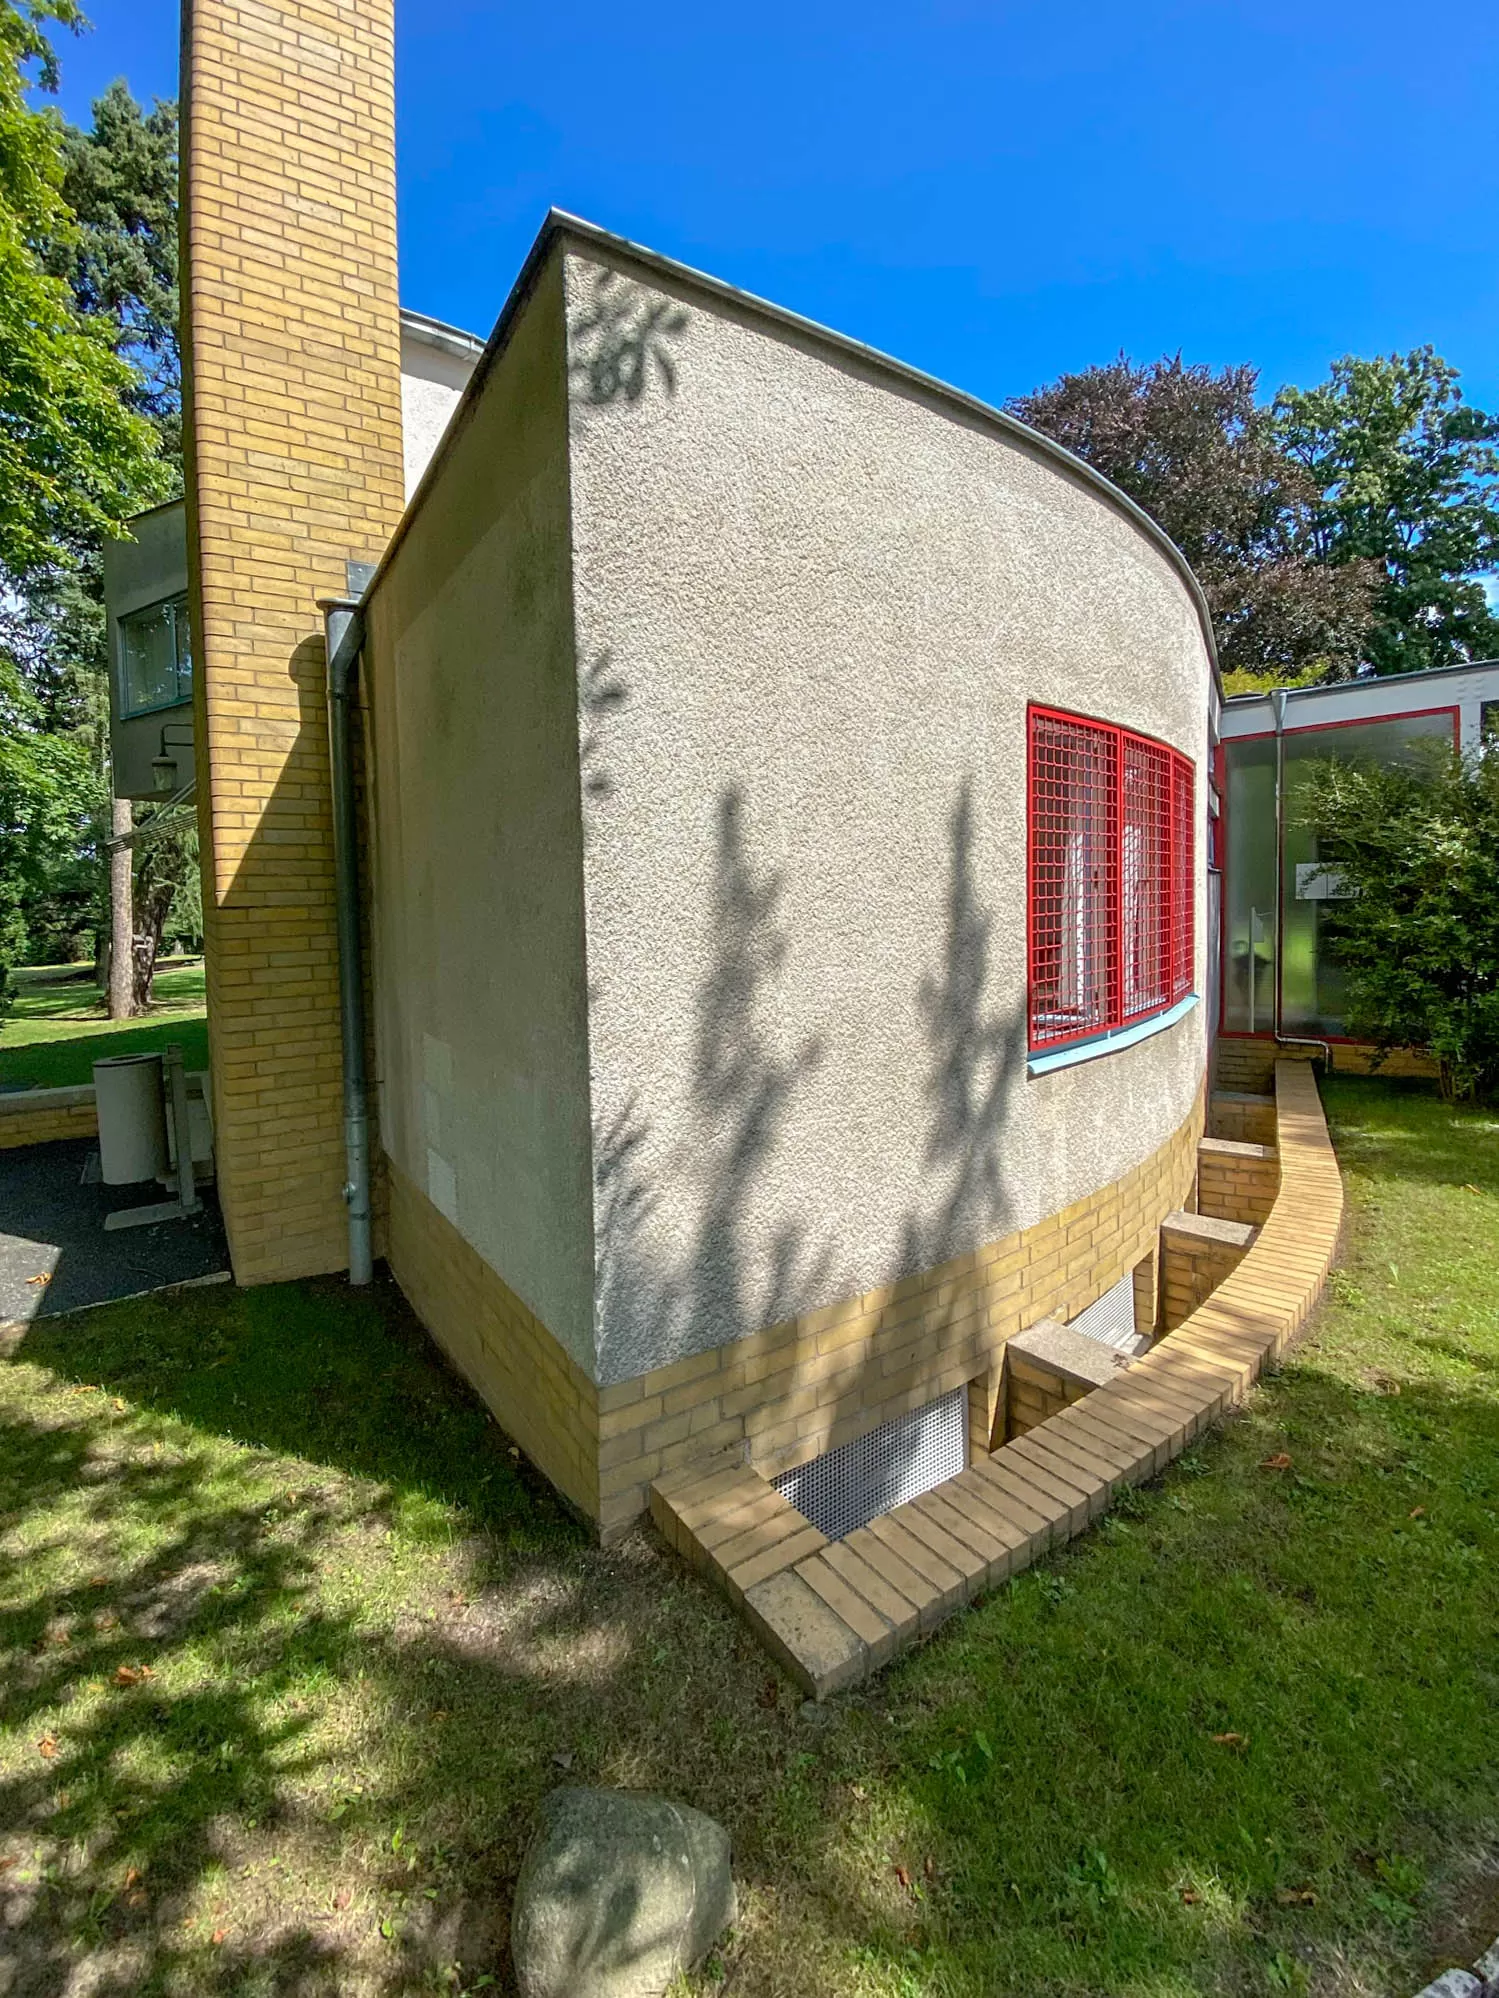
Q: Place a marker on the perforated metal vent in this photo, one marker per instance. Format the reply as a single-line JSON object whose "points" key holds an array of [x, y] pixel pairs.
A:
{"points": [[898, 1461], [1111, 1319]]}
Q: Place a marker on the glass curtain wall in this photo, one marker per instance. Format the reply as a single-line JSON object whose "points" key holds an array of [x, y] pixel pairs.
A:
{"points": [[1311, 983]]}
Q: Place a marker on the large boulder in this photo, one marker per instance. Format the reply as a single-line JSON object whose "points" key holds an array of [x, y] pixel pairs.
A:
{"points": [[618, 1893]]}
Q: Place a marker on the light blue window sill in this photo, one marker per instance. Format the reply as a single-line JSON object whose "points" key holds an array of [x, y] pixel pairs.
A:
{"points": [[1111, 1042]]}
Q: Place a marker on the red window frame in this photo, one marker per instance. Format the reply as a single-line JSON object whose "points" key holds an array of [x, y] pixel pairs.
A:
{"points": [[1110, 877]]}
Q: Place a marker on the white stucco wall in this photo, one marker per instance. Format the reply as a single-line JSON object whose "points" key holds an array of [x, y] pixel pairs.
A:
{"points": [[811, 607], [433, 377], [476, 863]]}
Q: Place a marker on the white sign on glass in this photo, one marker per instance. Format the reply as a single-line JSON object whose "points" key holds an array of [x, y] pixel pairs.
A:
{"points": [[1317, 882]]}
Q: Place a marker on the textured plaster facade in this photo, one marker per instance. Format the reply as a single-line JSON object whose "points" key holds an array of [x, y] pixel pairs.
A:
{"points": [[811, 607], [477, 870], [436, 364], [697, 684]]}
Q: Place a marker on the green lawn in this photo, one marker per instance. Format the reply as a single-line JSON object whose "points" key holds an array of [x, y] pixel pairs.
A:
{"points": [[56, 1027], [291, 1642]]}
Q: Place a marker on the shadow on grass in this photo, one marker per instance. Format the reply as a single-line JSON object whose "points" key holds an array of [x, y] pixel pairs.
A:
{"points": [[360, 1687]]}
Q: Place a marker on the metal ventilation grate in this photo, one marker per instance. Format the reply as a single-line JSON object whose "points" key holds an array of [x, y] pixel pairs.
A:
{"points": [[1110, 1319], [898, 1461]]}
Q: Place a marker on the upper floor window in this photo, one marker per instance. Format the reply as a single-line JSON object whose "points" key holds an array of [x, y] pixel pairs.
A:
{"points": [[1110, 890], [156, 657]]}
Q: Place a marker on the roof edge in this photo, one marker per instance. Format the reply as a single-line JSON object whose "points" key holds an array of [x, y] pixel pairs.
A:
{"points": [[438, 333], [559, 226], [560, 223], [1356, 682]]}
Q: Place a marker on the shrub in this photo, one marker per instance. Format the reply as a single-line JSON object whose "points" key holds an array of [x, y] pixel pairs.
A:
{"points": [[1419, 936]]}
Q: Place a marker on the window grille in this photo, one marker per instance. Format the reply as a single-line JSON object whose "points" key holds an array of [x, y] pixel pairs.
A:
{"points": [[1110, 877], [1110, 1319], [846, 1488]]}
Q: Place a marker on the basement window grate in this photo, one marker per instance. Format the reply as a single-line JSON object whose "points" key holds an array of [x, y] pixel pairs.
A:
{"points": [[1110, 1319], [900, 1460]]}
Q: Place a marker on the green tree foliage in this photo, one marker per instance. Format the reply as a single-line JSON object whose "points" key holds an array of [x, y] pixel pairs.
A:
{"points": [[88, 400], [1200, 454], [1419, 938], [1406, 473], [52, 803], [75, 458], [120, 187]]}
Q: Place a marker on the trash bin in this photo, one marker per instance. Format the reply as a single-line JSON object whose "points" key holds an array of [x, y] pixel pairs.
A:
{"points": [[132, 1118]]}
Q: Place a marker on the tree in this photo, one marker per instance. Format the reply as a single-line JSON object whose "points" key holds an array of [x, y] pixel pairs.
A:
{"points": [[1202, 457], [120, 259], [120, 187], [52, 795], [1419, 936], [75, 458], [1406, 473]]}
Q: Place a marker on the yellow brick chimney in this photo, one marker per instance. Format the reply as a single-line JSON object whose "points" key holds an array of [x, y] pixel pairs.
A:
{"points": [[291, 342]]}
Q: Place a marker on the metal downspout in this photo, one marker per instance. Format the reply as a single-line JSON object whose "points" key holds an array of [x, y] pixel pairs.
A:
{"points": [[343, 628], [1284, 1040]]}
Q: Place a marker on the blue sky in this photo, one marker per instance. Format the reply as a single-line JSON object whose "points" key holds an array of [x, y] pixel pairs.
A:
{"points": [[993, 192]]}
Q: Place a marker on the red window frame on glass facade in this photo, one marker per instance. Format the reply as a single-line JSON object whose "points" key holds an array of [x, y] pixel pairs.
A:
{"points": [[1111, 826]]}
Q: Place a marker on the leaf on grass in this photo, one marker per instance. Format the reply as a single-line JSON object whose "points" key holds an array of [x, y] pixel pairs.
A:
{"points": [[1418, 1512], [132, 1874], [131, 1675], [138, 1899], [218, 1936], [7, 1861], [1469, 1187], [1279, 1462], [1229, 1740], [342, 1898], [47, 1747], [44, 1277], [1191, 1896], [1296, 1897], [903, 1876]]}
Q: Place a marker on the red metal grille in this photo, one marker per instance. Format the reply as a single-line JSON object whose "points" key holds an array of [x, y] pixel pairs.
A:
{"points": [[1110, 877], [1183, 885]]}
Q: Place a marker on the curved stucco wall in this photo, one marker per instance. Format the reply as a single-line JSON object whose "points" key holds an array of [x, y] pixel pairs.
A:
{"points": [[812, 604]]}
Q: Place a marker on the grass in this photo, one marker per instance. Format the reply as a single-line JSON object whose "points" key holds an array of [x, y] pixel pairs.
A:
{"points": [[292, 1642], [56, 1028]]}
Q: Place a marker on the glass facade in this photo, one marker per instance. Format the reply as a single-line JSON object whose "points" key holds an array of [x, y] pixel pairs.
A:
{"points": [[1311, 984], [156, 657]]}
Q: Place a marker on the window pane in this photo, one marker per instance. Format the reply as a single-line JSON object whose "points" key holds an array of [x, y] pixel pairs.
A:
{"points": [[184, 649], [1313, 995], [1146, 942], [155, 657], [1074, 788], [1249, 886]]}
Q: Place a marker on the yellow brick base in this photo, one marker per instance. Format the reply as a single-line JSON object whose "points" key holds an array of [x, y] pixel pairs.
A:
{"points": [[1243, 1062], [41, 1116], [534, 1388], [794, 1390]]}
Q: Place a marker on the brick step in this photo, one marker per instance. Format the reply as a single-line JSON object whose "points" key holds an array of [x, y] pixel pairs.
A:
{"points": [[832, 1612]]}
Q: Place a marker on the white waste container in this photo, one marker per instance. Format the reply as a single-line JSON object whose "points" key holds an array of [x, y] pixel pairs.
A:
{"points": [[132, 1118]]}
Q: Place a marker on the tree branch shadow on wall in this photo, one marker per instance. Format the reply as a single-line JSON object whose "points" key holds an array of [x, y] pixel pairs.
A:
{"points": [[975, 1056], [743, 1083], [621, 340]]}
